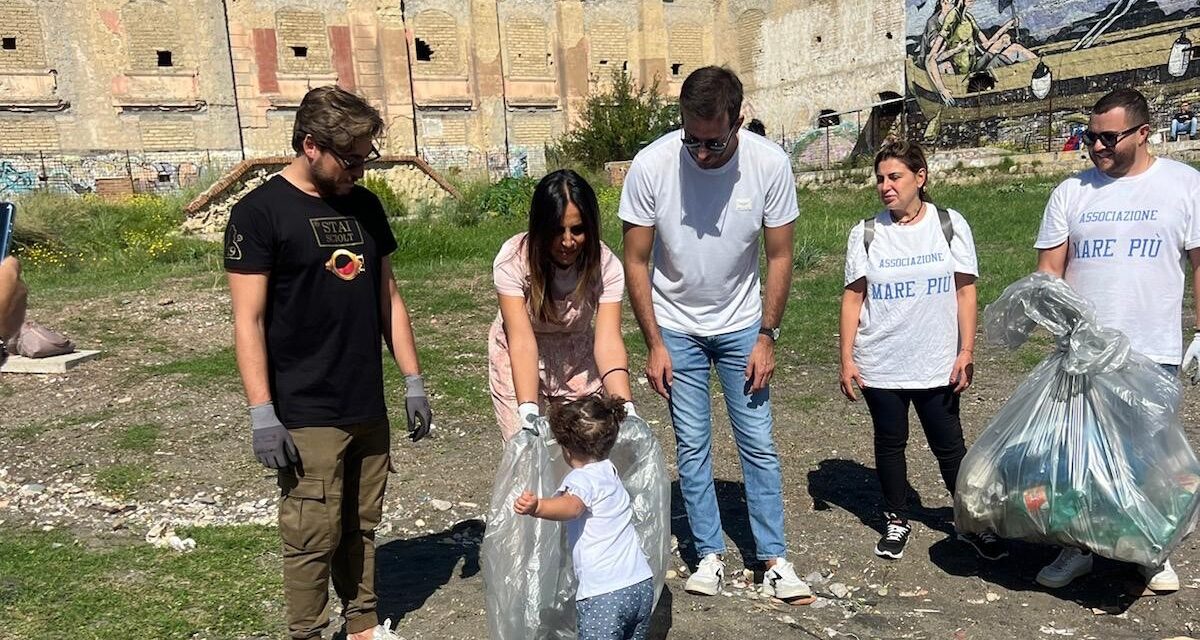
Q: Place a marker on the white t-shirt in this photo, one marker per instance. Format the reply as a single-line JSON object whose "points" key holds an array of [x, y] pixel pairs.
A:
{"points": [[707, 226], [1127, 242], [908, 327], [604, 544]]}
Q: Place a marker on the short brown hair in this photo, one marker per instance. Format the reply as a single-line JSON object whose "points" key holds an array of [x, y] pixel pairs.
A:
{"points": [[588, 427], [335, 118], [1128, 98], [709, 91], [910, 154]]}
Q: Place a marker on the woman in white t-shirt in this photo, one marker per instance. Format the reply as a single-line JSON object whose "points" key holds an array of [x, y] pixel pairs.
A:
{"points": [[908, 331], [616, 585], [552, 282]]}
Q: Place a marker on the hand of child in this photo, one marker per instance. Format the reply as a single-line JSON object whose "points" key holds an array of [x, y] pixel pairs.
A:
{"points": [[526, 504]]}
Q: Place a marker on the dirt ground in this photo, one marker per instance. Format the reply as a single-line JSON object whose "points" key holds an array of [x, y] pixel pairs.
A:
{"points": [[64, 428]]}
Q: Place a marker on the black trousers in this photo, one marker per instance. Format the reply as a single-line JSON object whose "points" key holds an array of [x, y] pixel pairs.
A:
{"points": [[938, 411]]}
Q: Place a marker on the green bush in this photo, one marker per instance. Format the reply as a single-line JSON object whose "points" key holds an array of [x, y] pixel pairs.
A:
{"points": [[510, 198], [615, 124], [393, 205]]}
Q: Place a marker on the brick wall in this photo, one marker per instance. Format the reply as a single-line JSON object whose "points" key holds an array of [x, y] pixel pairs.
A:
{"points": [[439, 31], [749, 39], [167, 135], [19, 20], [608, 48], [23, 135], [302, 29], [685, 48], [150, 28], [527, 48]]}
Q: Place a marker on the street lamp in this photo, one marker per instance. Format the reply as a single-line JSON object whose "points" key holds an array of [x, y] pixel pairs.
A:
{"points": [[1180, 56]]}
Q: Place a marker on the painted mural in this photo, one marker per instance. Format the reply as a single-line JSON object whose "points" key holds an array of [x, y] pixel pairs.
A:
{"points": [[977, 69]]}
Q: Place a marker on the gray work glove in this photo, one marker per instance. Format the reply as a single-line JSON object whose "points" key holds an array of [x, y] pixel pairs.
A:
{"points": [[416, 405], [273, 445]]}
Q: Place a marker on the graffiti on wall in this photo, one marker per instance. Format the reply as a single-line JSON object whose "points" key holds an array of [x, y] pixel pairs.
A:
{"points": [[160, 173], [971, 64]]}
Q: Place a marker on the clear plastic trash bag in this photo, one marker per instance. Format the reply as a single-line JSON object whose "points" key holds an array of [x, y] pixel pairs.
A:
{"points": [[1088, 451], [527, 573]]}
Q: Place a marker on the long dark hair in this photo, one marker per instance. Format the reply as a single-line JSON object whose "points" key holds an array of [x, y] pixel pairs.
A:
{"points": [[546, 211]]}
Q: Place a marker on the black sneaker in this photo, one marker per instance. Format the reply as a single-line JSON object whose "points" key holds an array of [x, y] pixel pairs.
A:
{"points": [[891, 545], [986, 544]]}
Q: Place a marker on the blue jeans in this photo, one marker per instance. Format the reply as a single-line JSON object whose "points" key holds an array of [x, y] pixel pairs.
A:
{"points": [[1178, 127], [692, 357]]}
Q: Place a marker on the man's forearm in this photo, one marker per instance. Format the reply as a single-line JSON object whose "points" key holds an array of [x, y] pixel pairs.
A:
{"points": [[779, 283], [400, 338], [250, 346], [643, 305]]}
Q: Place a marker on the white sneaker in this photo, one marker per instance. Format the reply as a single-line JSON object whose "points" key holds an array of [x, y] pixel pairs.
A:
{"points": [[706, 581], [781, 581], [1161, 578], [1070, 564]]}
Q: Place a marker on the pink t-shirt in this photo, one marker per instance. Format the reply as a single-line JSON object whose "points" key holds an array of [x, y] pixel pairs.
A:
{"points": [[510, 272]]}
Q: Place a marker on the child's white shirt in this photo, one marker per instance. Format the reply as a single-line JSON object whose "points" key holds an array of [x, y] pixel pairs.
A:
{"points": [[604, 545]]}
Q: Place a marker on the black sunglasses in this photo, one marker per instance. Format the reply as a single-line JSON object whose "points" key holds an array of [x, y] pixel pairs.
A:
{"points": [[350, 164], [1108, 138], [715, 146]]}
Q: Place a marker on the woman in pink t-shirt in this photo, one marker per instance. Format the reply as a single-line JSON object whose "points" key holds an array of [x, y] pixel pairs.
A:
{"points": [[558, 333]]}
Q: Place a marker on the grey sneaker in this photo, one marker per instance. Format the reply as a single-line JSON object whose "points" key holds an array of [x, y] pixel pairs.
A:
{"points": [[706, 581], [1070, 564]]}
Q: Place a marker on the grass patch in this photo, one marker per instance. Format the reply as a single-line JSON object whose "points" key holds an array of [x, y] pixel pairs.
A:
{"points": [[123, 480], [217, 367], [227, 588], [139, 437]]}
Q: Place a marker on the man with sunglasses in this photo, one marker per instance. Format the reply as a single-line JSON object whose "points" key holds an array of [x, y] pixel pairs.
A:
{"points": [[701, 199], [313, 294], [1118, 234]]}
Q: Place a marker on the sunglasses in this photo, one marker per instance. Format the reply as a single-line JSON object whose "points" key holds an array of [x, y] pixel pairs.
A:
{"points": [[352, 163], [715, 146], [1108, 138]]}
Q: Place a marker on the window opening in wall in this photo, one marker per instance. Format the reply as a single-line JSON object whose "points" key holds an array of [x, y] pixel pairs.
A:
{"points": [[676, 68], [164, 59], [549, 60], [300, 52], [424, 51], [894, 106], [604, 62], [8, 43], [889, 35], [818, 39], [624, 65], [828, 118]]}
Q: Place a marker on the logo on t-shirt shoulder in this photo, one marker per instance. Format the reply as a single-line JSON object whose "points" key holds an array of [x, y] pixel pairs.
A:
{"points": [[233, 248], [337, 232]]}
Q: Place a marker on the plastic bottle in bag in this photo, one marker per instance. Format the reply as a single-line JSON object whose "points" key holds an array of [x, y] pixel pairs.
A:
{"points": [[1045, 507]]}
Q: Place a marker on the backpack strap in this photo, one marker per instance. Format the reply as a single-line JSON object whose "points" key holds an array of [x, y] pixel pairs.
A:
{"points": [[947, 224], [943, 218]]}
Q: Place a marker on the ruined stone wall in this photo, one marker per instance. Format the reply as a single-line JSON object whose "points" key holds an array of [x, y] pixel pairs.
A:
{"points": [[482, 85]]}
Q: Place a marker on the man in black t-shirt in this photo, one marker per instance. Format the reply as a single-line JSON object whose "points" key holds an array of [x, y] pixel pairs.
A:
{"points": [[1184, 121], [313, 293]]}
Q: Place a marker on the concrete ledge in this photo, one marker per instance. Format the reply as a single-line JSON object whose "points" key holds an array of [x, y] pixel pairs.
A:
{"points": [[53, 364]]}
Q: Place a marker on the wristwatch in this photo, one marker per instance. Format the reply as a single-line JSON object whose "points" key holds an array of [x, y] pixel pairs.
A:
{"points": [[773, 332]]}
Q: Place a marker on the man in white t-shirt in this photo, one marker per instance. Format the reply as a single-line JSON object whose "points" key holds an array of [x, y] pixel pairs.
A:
{"points": [[1119, 235], [702, 198]]}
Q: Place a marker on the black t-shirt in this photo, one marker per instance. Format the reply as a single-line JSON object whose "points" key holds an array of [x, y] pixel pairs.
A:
{"points": [[323, 297], [1184, 117]]}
